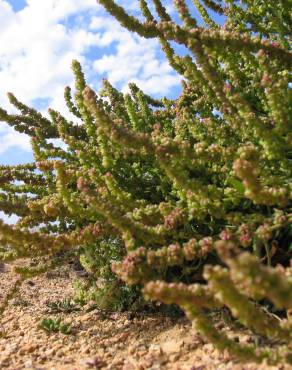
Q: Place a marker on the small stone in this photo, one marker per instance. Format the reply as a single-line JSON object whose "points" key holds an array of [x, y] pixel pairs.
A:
{"points": [[208, 347], [129, 365], [30, 283], [4, 363], [28, 348], [50, 352], [85, 350], [123, 336], [171, 347], [28, 364], [142, 353], [4, 267], [93, 362], [117, 362], [85, 318], [174, 357], [131, 350]]}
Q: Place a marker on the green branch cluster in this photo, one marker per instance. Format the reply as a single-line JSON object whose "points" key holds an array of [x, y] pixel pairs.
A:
{"points": [[168, 192]]}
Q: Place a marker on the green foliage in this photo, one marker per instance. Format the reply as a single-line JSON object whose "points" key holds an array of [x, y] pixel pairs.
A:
{"points": [[66, 305], [110, 294], [55, 325], [190, 198], [103, 286], [238, 288], [97, 258]]}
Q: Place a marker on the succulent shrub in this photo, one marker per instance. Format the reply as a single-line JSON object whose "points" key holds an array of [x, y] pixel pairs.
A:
{"points": [[55, 325], [189, 198], [65, 305]]}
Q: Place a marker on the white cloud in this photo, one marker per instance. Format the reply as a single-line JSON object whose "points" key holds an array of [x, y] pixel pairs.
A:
{"points": [[6, 15], [9, 139], [36, 50], [132, 59], [155, 84], [38, 43]]}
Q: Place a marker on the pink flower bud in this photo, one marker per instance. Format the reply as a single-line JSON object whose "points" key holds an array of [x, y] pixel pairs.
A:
{"points": [[225, 235], [227, 87], [266, 80], [80, 183]]}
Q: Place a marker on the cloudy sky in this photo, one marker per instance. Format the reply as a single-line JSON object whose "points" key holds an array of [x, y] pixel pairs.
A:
{"points": [[39, 39]]}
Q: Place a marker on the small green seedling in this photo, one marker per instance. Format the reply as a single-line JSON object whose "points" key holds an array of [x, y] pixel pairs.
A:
{"points": [[55, 325], [20, 302], [66, 305]]}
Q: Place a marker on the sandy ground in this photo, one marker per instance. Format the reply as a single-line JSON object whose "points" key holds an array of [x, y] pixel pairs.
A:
{"points": [[99, 340]]}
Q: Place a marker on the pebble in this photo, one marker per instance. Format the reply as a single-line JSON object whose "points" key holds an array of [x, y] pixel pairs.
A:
{"points": [[129, 365], [131, 350], [28, 348], [5, 362], [171, 347], [28, 364], [174, 357], [30, 283], [93, 362]]}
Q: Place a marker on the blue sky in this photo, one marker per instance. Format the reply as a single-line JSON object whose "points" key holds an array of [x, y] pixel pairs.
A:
{"points": [[39, 39], [17, 4]]}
